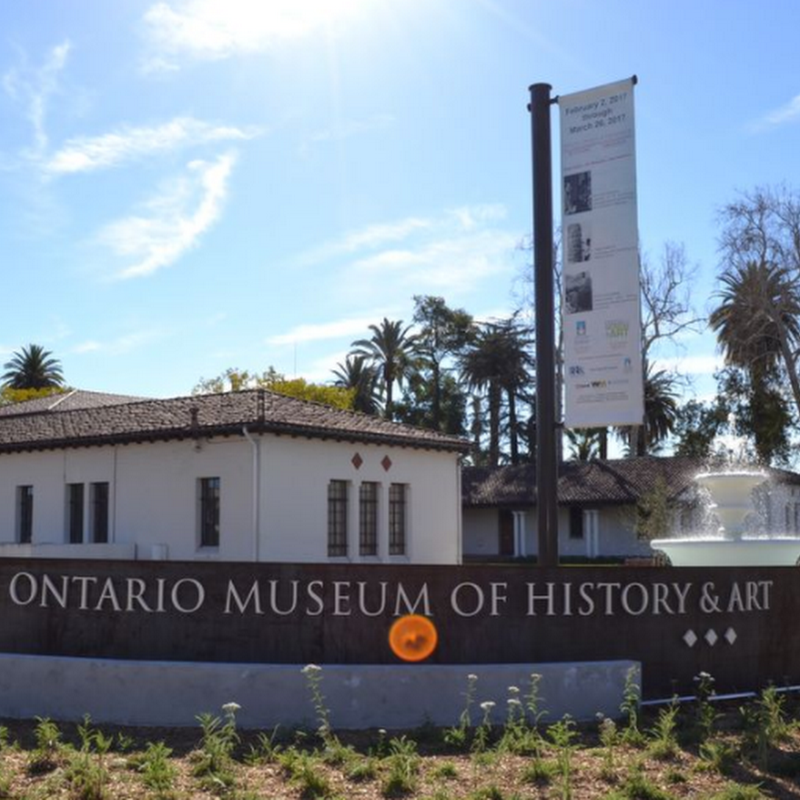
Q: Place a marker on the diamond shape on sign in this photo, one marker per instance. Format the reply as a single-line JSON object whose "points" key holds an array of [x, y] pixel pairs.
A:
{"points": [[730, 635], [711, 637], [690, 637], [386, 463], [357, 461]]}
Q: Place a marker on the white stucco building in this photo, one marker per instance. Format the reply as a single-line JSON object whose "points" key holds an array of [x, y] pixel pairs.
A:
{"points": [[244, 476]]}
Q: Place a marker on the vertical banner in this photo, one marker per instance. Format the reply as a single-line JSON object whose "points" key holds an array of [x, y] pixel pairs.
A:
{"points": [[601, 318]]}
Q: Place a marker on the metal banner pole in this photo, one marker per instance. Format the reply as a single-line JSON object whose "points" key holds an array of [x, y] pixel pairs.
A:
{"points": [[546, 459]]}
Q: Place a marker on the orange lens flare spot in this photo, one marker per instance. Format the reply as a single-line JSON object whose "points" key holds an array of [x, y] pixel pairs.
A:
{"points": [[413, 637]]}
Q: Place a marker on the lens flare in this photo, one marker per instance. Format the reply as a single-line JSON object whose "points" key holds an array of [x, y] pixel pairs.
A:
{"points": [[413, 637]]}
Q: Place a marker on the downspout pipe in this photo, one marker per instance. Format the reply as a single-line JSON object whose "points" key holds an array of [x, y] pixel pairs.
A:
{"points": [[256, 490]]}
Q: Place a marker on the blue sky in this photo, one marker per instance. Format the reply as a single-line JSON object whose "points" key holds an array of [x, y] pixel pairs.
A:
{"points": [[191, 185]]}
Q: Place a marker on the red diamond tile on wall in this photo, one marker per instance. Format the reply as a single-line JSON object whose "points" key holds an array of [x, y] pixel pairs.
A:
{"points": [[357, 461], [386, 463]]}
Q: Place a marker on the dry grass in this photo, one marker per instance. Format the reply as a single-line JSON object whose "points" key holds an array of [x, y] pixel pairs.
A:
{"points": [[742, 756]]}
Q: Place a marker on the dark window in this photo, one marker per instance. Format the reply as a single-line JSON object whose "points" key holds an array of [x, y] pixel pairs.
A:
{"points": [[25, 514], [368, 519], [337, 518], [575, 523], [75, 513], [99, 495], [397, 519], [209, 512]]}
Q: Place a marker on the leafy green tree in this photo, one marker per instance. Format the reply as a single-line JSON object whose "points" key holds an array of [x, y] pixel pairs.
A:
{"points": [[33, 367], [236, 380], [361, 377], [697, 426], [443, 333], [655, 512], [391, 350], [417, 405], [760, 411]]}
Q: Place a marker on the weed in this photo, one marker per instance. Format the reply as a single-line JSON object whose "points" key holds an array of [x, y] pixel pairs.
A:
{"points": [[265, 750], [483, 732], [486, 793], [539, 772], [637, 786], [214, 760], [87, 777], [610, 740], [403, 762], [445, 771], [313, 675], [563, 734], [458, 735], [362, 770], [664, 744], [49, 747], [739, 792], [308, 779], [631, 698], [706, 715], [157, 772], [718, 756]]}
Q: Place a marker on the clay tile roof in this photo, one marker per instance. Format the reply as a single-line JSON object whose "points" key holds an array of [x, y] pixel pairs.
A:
{"points": [[92, 419], [617, 481]]}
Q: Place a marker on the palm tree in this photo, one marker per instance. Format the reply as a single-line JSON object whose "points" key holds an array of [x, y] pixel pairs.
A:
{"points": [[358, 375], [497, 362], [758, 321], [33, 368], [584, 443], [660, 413], [391, 349]]}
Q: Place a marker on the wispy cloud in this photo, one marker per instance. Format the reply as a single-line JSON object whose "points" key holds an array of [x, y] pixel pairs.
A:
{"points": [[452, 263], [789, 112], [691, 365], [451, 251], [347, 129], [212, 30], [175, 219], [84, 154], [34, 88], [373, 237], [122, 344], [353, 327]]}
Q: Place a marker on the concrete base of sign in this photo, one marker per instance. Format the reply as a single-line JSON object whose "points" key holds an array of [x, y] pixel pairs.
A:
{"points": [[367, 696]]}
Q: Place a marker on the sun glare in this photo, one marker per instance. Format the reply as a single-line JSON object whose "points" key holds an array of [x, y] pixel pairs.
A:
{"points": [[249, 24]]}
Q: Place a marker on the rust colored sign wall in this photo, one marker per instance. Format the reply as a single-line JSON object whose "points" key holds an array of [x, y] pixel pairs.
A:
{"points": [[739, 624]]}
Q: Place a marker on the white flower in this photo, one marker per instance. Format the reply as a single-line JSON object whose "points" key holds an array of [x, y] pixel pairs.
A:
{"points": [[231, 708], [513, 689], [512, 701], [472, 677], [487, 705], [310, 669]]}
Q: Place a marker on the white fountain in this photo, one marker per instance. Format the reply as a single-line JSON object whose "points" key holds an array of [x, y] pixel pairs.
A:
{"points": [[731, 491]]}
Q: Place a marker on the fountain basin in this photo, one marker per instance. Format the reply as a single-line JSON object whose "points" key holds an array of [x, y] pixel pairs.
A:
{"points": [[772, 552]]}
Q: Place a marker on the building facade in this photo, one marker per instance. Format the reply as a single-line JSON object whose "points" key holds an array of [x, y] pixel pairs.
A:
{"points": [[245, 476]]}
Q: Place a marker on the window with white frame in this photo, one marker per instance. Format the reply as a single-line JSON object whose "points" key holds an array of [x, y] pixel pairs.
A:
{"points": [[398, 519], [209, 511], [98, 512], [75, 513], [24, 514], [368, 519], [337, 518]]}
